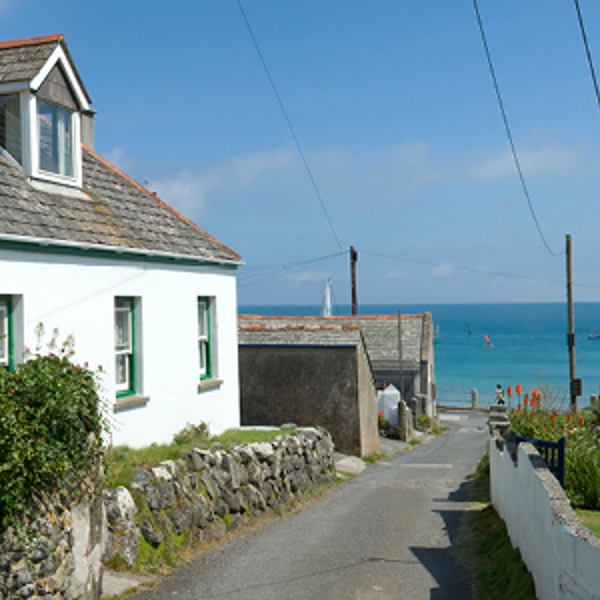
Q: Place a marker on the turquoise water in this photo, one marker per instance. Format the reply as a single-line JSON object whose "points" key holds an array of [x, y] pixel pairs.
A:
{"points": [[528, 346]]}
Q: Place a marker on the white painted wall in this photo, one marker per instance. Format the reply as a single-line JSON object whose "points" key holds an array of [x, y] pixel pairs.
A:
{"points": [[562, 555], [76, 295]]}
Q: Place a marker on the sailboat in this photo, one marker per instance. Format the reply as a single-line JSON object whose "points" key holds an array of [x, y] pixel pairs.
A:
{"points": [[327, 306]]}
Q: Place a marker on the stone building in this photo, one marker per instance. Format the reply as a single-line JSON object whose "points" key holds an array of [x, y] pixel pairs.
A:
{"points": [[309, 373]]}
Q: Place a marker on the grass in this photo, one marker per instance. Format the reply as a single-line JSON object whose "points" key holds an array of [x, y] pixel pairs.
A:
{"points": [[121, 462], [371, 459], [589, 518], [499, 572]]}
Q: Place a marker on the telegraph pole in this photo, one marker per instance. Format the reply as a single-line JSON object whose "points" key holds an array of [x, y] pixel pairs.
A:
{"points": [[353, 261], [575, 386]]}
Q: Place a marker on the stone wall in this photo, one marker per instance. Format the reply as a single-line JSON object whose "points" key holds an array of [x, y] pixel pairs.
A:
{"points": [[54, 555], [208, 492], [327, 386]]}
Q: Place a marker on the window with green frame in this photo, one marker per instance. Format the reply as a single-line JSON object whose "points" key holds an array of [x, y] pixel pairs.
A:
{"points": [[6, 334], [125, 346], [205, 349]]}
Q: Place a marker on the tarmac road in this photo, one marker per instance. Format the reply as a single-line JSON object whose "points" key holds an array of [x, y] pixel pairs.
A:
{"points": [[389, 533]]}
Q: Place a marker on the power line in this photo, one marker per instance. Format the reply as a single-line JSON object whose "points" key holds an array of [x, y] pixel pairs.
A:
{"points": [[289, 123], [587, 52], [477, 271], [509, 133]]}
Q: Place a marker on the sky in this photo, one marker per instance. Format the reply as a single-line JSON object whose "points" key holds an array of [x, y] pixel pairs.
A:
{"points": [[394, 110]]}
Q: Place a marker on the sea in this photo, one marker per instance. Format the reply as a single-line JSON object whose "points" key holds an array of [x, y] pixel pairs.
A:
{"points": [[528, 346]]}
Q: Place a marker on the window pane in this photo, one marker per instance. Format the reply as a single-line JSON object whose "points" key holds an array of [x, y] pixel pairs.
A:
{"points": [[3, 334], [56, 155], [122, 371], [122, 330], [202, 328], [10, 125], [202, 352]]}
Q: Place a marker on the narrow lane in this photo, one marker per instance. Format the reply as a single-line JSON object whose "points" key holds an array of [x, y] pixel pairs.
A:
{"points": [[388, 534]]}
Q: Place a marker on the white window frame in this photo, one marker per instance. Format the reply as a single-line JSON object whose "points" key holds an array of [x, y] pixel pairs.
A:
{"points": [[206, 363], [5, 341], [66, 161], [125, 306]]}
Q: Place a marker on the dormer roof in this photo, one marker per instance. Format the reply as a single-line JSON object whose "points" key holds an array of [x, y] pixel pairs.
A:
{"points": [[28, 62]]}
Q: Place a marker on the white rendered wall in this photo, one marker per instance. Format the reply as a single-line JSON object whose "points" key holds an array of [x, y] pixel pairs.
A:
{"points": [[76, 295], [562, 555]]}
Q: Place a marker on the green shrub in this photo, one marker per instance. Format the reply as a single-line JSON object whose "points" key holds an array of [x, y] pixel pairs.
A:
{"points": [[582, 458], [51, 429]]}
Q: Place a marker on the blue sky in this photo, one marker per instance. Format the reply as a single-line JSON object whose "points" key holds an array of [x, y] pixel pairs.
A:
{"points": [[394, 108]]}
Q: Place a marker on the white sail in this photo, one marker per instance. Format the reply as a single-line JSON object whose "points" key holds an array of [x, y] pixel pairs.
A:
{"points": [[326, 306]]}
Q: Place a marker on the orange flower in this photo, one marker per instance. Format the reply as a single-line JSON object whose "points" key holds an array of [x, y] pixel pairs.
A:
{"points": [[535, 394], [526, 399], [509, 391], [570, 418], [553, 417], [533, 402], [518, 388], [581, 421]]}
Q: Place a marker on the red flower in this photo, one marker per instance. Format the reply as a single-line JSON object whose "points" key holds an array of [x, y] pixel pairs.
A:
{"points": [[581, 421], [553, 417], [570, 418], [533, 402], [526, 399], [518, 388], [509, 391]]}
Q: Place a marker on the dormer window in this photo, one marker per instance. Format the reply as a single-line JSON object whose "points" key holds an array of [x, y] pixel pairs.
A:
{"points": [[55, 133], [45, 111], [10, 125]]}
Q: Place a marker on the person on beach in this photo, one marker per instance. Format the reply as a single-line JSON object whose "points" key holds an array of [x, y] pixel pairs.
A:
{"points": [[499, 395]]}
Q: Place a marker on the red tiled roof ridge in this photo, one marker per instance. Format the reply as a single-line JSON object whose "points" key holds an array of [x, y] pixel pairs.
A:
{"points": [[162, 203], [32, 41], [336, 317]]}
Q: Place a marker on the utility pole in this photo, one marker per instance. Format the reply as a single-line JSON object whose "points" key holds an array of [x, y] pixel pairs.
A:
{"points": [[353, 261], [400, 369], [575, 386]]}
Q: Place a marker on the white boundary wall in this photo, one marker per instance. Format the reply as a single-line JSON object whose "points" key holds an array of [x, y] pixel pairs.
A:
{"points": [[562, 555], [76, 295]]}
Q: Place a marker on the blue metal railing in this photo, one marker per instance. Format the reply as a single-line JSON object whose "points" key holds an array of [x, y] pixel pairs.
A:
{"points": [[553, 453]]}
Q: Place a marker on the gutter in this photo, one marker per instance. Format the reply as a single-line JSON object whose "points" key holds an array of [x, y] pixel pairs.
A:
{"points": [[118, 250]]}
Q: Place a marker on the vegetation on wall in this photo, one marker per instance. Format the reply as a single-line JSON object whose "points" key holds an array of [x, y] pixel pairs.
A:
{"points": [[582, 433], [51, 428]]}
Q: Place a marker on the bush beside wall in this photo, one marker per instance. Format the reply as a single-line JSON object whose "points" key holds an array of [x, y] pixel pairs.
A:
{"points": [[207, 492]]}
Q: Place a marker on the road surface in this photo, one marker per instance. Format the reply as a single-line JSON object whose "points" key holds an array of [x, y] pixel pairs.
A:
{"points": [[388, 534]]}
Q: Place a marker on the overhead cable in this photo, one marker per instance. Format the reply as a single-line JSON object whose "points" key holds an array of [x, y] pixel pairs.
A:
{"points": [[509, 133], [289, 124], [587, 52]]}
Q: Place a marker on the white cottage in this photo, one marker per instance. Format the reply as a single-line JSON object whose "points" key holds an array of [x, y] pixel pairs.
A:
{"points": [[145, 292]]}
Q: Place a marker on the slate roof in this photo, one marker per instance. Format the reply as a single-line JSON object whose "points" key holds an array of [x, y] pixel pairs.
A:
{"points": [[21, 60], [293, 333], [380, 334], [111, 210]]}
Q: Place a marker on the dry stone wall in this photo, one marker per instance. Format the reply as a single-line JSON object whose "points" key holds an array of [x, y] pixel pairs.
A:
{"points": [[54, 555], [208, 491]]}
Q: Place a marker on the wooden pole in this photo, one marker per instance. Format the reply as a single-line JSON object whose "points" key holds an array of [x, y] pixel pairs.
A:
{"points": [[575, 384], [400, 369], [353, 260]]}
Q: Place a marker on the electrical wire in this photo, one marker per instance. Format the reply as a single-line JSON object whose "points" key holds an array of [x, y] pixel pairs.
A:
{"points": [[477, 271], [587, 51], [289, 124], [509, 133]]}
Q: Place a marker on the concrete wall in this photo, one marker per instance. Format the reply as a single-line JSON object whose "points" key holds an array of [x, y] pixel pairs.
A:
{"points": [[562, 555], [311, 386], [76, 295]]}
